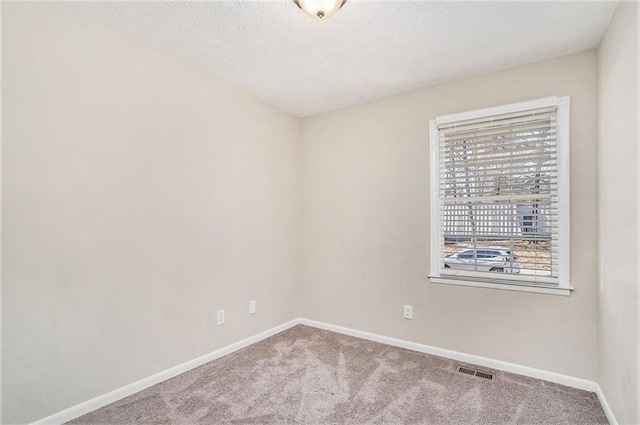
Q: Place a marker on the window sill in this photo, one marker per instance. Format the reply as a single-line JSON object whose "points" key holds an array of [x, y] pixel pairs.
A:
{"points": [[536, 289]]}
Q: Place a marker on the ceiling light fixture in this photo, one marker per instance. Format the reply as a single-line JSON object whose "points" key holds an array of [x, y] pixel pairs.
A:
{"points": [[320, 9]]}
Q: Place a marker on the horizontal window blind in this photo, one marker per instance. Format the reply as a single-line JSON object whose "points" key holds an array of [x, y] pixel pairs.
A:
{"points": [[498, 189]]}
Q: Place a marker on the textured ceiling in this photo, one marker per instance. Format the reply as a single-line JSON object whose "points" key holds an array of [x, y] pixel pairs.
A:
{"points": [[369, 50]]}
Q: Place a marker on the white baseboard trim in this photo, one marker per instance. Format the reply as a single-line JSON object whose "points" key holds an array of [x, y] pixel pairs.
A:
{"points": [[558, 378], [605, 406], [117, 394]]}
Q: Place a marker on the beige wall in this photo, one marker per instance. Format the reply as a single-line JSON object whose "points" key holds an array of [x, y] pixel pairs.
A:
{"points": [[140, 196], [366, 226], [618, 212]]}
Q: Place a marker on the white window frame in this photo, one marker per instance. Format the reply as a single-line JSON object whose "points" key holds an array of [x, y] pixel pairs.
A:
{"points": [[520, 283]]}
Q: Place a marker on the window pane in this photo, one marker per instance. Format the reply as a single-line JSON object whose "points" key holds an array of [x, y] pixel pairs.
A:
{"points": [[498, 189]]}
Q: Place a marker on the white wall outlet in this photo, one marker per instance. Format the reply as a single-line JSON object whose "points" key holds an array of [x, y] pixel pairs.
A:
{"points": [[252, 307], [408, 311], [220, 317]]}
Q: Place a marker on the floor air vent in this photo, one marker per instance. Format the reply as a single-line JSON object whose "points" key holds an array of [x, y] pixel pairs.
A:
{"points": [[467, 371], [484, 375], [477, 373]]}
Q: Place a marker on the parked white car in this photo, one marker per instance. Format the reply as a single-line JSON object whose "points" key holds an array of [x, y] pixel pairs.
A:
{"points": [[492, 259]]}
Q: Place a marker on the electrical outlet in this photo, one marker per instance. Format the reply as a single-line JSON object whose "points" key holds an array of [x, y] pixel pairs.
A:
{"points": [[220, 317], [408, 312], [252, 307]]}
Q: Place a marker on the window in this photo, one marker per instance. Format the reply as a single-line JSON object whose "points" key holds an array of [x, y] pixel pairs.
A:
{"points": [[466, 254], [500, 197]]}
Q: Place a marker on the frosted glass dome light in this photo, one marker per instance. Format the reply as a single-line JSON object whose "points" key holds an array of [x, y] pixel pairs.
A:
{"points": [[320, 9]]}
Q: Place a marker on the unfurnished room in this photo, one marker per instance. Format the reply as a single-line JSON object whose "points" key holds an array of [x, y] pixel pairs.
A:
{"points": [[320, 212]]}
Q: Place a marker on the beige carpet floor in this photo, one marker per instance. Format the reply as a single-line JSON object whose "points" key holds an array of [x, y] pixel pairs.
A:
{"points": [[310, 376]]}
